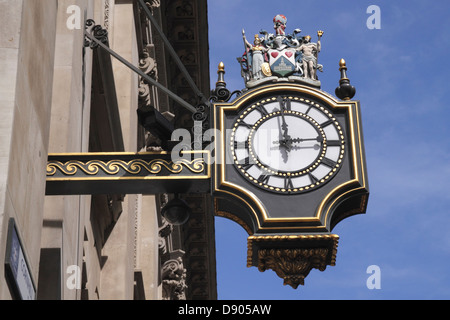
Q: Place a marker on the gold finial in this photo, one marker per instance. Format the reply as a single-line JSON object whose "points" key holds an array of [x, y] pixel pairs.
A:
{"points": [[345, 91], [220, 78], [221, 67], [220, 93]]}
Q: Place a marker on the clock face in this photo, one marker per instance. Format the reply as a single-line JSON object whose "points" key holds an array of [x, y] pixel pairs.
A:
{"points": [[287, 144]]}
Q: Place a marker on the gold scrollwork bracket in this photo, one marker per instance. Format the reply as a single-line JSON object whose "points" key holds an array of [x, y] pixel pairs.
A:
{"points": [[128, 173], [133, 167], [292, 257]]}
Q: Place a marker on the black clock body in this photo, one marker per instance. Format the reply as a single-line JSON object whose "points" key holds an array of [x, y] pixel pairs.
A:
{"points": [[289, 159]]}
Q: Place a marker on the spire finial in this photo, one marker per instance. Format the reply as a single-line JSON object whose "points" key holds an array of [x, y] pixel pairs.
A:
{"points": [[221, 67], [345, 91], [342, 64], [221, 79], [220, 93]]}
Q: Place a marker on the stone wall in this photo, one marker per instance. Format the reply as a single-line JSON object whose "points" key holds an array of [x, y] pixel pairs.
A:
{"points": [[27, 45]]}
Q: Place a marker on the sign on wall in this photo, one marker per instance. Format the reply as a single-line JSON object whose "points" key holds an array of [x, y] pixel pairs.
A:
{"points": [[17, 270]]}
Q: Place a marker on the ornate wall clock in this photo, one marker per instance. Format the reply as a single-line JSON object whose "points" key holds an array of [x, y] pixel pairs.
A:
{"points": [[289, 157], [289, 166]]}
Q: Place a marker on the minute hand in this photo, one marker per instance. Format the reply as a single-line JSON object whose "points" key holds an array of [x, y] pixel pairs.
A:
{"points": [[318, 139], [284, 125], [293, 140], [286, 141]]}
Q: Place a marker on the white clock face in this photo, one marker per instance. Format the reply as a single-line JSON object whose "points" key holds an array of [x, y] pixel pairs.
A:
{"points": [[287, 144]]}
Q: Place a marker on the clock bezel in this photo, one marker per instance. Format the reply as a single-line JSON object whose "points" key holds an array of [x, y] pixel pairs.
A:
{"points": [[288, 188]]}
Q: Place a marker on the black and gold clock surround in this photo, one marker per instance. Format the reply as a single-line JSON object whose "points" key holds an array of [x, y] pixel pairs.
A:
{"points": [[287, 197], [289, 165]]}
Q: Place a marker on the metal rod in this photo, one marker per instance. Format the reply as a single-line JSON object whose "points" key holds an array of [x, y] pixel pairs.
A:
{"points": [[172, 51], [142, 74]]}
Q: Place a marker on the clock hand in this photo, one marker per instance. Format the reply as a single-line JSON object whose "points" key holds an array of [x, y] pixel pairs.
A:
{"points": [[318, 139], [284, 125], [316, 147], [282, 142], [294, 140], [283, 136]]}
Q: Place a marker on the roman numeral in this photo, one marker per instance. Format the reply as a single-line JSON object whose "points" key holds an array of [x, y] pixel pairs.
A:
{"points": [[307, 110], [241, 144], [312, 178], [333, 143], [245, 124], [285, 105], [288, 183], [264, 178], [262, 110], [247, 166], [328, 162], [326, 123], [245, 163]]}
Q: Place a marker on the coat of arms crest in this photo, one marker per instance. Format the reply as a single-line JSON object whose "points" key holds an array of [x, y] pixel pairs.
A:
{"points": [[279, 56]]}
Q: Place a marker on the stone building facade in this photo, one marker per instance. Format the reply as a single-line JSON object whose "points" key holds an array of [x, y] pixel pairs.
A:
{"points": [[58, 95]]}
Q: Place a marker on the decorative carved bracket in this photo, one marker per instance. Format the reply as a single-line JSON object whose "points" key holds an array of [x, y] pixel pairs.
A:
{"points": [[293, 265], [292, 257], [174, 277]]}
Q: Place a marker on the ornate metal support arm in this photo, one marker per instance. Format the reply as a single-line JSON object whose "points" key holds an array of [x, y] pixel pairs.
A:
{"points": [[138, 71]]}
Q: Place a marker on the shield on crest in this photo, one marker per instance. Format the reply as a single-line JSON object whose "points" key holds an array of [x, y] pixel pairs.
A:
{"points": [[282, 62]]}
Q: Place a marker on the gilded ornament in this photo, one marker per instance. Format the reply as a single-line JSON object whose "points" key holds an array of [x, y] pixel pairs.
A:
{"points": [[292, 265], [134, 167]]}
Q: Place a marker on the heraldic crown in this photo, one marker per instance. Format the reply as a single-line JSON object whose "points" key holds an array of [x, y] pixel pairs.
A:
{"points": [[278, 56]]}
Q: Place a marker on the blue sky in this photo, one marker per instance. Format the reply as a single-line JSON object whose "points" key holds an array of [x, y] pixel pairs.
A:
{"points": [[401, 77]]}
